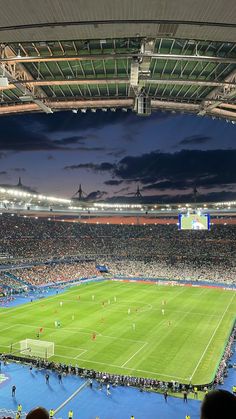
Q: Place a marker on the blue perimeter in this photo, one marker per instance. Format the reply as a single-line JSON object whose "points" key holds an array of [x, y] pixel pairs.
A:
{"points": [[32, 391]]}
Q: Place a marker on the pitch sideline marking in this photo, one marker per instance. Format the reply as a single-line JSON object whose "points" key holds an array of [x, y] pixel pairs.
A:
{"points": [[132, 369], [220, 321], [134, 354]]}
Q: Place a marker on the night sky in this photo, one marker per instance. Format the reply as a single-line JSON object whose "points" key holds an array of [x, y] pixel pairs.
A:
{"points": [[110, 153]]}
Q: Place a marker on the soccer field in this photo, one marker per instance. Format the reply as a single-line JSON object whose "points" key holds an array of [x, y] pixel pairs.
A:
{"points": [[120, 327]]}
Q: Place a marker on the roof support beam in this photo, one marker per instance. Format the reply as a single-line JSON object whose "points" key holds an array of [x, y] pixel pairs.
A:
{"points": [[219, 94], [17, 76], [145, 81], [69, 104], [116, 103], [114, 56], [222, 113]]}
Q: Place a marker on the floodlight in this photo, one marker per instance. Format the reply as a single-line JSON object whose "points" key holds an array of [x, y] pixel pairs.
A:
{"points": [[26, 98], [4, 81]]}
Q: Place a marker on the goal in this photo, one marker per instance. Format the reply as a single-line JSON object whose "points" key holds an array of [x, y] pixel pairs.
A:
{"points": [[38, 348]]}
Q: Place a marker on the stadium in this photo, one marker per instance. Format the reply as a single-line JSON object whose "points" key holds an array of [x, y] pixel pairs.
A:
{"points": [[116, 306]]}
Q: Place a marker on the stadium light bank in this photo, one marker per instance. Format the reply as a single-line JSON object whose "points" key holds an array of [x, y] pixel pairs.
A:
{"points": [[14, 193]]}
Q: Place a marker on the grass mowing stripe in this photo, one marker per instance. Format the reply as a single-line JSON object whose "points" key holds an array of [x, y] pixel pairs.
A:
{"points": [[219, 323]]}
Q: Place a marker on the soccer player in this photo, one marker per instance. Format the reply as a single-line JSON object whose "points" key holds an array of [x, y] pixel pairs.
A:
{"points": [[115, 299], [93, 297], [129, 311], [73, 317], [93, 336], [163, 312], [61, 303], [134, 326]]}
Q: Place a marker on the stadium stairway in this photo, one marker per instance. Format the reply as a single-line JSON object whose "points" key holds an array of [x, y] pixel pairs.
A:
{"points": [[4, 285], [17, 279]]}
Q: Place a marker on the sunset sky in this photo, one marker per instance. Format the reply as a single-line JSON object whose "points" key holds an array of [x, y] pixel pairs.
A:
{"points": [[110, 153]]}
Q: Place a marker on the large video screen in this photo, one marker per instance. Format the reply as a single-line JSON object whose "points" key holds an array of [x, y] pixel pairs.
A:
{"points": [[194, 222]]}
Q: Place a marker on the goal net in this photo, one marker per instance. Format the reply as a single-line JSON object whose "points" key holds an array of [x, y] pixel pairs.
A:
{"points": [[38, 348]]}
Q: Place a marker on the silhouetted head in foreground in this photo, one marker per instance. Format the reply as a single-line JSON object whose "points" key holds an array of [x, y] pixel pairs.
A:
{"points": [[38, 413], [218, 404]]}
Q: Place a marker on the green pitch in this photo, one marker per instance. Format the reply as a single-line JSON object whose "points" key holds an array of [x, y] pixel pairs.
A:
{"points": [[120, 328]]}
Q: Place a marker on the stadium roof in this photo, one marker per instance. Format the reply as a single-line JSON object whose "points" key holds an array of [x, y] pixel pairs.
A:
{"points": [[23, 202], [140, 55]]}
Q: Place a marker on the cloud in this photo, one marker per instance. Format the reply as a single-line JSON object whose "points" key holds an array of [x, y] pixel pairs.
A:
{"points": [[172, 171], [195, 140], [117, 152], [19, 169], [113, 182], [180, 185], [102, 167], [96, 195], [77, 139], [19, 137], [3, 173], [202, 167], [80, 122]]}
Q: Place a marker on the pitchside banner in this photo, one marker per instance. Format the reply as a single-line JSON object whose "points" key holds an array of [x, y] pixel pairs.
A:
{"points": [[102, 268]]}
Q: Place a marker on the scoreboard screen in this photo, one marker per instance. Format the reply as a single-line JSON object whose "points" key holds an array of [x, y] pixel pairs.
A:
{"points": [[194, 222]]}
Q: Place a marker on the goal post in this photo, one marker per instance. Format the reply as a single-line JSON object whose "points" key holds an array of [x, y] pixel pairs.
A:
{"points": [[37, 348]]}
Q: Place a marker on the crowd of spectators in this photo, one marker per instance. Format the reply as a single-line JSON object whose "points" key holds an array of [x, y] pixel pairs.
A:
{"points": [[55, 273], [224, 364], [104, 378], [159, 251], [9, 285]]}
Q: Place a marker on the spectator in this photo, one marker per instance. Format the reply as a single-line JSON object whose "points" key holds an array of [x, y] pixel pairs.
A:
{"points": [[218, 404]]}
